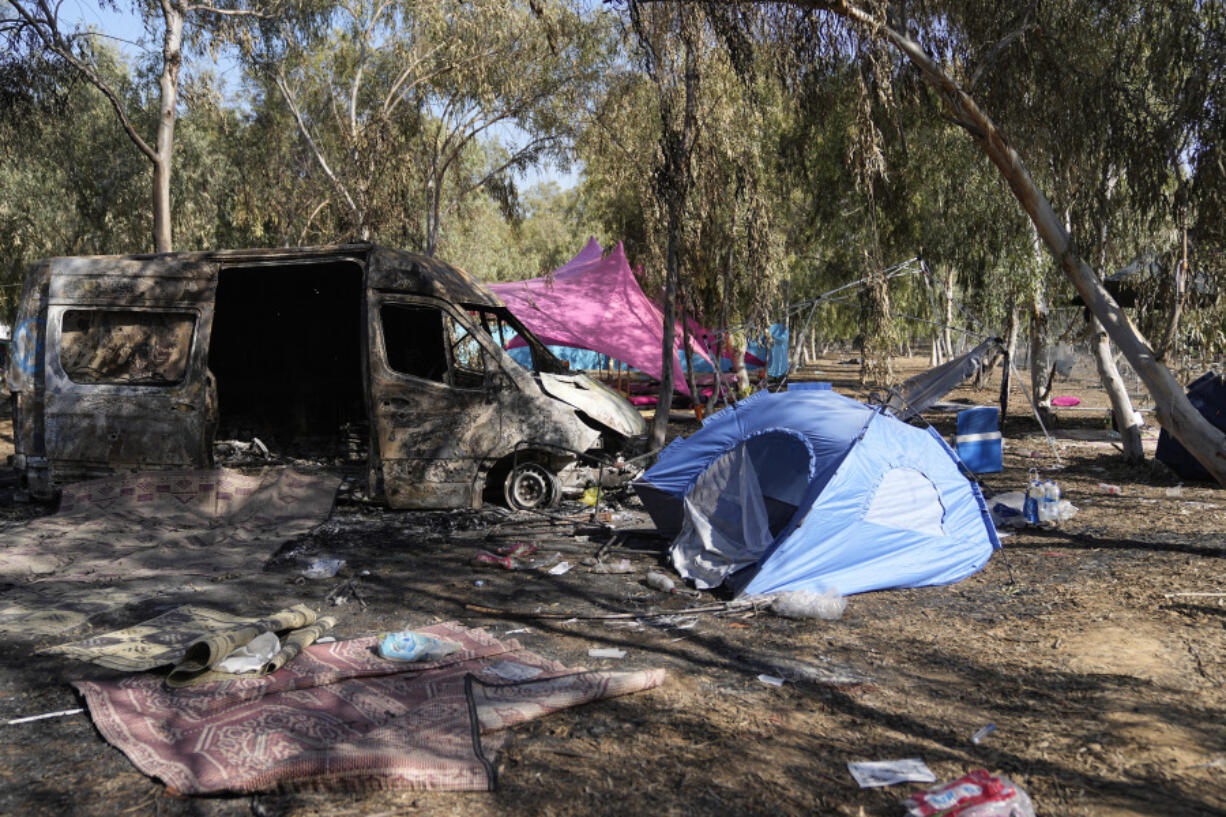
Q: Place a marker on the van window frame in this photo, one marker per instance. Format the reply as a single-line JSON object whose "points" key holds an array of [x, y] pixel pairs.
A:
{"points": [[57, 314], [495, 376]]}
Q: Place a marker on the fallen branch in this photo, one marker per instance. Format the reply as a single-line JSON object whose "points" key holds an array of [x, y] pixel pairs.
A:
{"points": [[718, 607]]}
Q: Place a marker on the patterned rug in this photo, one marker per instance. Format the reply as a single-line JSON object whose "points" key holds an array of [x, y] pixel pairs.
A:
{"points": [[119, 530], [342, 718], [195, 639]]}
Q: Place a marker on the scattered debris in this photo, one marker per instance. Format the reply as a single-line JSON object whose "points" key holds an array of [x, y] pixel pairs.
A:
{"points": [[606, 652], [771, 680], [872, 773], [807, 604], [414, 646], [62, 713], [619, 566], [252, 656], [978, 794], [323, 568], [982, 733], [560, 569]]}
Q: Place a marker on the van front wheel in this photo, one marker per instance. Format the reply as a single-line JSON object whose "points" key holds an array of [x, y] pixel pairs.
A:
{"points": [[531, 486]]}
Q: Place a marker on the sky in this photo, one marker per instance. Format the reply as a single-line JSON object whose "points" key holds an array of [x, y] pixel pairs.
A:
{"points": [[125, 29]]}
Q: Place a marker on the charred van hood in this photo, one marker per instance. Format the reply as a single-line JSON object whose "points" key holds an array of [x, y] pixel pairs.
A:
{"points": [[596, 400]]}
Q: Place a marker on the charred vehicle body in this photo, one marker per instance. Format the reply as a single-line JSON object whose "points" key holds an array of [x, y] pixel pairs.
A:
{"points": [[146, 361]]}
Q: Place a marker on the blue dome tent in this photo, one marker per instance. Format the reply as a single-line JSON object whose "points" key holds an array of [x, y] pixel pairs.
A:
{"points": [[807, 489]]}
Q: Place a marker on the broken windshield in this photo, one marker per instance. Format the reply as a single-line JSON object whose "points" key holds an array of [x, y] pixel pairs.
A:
{"points": [[509, 333]]}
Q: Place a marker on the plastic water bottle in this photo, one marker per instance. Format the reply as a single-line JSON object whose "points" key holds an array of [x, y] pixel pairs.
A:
{"points": [[1049, 510], [1034, 495]]}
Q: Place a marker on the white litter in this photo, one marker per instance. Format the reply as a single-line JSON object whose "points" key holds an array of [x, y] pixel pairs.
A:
{"points": [[606, 652], [323, 568], [559, 569], [772, 680], [807, 604], [872, 773], [252, 656], [44, 716]]}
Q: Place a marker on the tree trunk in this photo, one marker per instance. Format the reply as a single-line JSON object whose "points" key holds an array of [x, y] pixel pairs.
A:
{"points": [[1006, 370], [1127, 421], [168, 85], [718, 385], [1175, 412], [675, 183], [664, 405], [433, 217], [695, 396], [947, 328], [1038, 354], [935, 358], [738, 365], [1178, 286]]}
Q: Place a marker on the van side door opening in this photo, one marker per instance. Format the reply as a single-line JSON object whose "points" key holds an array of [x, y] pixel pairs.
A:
{"points": [[287, 357]]}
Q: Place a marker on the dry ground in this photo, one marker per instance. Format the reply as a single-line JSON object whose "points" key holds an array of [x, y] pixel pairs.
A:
{"points": [[1096, 649]]}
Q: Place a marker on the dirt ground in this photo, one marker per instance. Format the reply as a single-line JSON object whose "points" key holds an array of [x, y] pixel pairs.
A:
{"points": [[1097, 649]]}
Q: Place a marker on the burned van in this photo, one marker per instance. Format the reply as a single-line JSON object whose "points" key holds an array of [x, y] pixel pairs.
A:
{"points": [[351, 353]]}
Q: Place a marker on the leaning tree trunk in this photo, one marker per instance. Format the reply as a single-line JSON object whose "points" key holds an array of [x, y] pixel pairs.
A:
{"points": [[1175, 412], [1126, 420]]}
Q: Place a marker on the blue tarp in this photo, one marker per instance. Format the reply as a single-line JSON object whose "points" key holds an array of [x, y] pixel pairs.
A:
{"points": [[578, 359], [776, 356], [808, 489], [1207, 394]]}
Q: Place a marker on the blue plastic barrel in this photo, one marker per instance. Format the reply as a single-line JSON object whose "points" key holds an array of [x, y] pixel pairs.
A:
{"points": [[978, 439]]}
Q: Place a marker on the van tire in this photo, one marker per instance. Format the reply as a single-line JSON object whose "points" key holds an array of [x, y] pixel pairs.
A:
{"points": [[531, 486]]}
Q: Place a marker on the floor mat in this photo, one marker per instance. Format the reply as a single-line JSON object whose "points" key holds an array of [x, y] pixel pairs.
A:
{"points": [[342, 718], [120, 530]]}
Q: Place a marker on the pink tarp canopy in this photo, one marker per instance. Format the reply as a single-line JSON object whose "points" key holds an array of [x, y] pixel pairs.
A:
{"points": [[596, 303]]}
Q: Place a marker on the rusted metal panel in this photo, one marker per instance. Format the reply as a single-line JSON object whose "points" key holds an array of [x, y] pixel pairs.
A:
{"points": [[437, 439], [125, 365], [396, 271], [596, 400]]}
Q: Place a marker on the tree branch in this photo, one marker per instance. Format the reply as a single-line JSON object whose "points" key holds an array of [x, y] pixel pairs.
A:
{"points": [[319, 156], [228, 12], [46, 29], [1004, 43]]}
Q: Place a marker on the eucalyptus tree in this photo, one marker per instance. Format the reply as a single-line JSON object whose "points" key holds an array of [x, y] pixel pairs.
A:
{"points": [[1175, 412], [68, 183], [397, 100], [35, 27]]}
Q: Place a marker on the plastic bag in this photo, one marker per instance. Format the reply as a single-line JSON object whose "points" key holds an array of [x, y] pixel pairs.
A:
{"points": [[410, 646], [807, 604], [252, 656], [978, 794]]}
